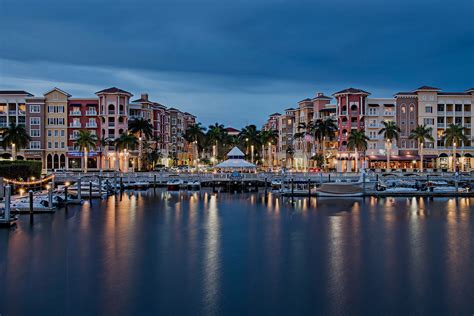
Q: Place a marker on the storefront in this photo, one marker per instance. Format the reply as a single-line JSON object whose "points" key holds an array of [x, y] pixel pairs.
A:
{"points": [[406, 162]]}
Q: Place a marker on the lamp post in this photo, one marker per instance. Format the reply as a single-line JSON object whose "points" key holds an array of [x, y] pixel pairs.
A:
{"points": [[454, 156], [13, 151], [140, 149], [389, 147]]}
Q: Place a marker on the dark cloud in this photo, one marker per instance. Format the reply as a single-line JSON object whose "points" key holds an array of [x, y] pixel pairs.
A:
{"points": [[248, 45]]}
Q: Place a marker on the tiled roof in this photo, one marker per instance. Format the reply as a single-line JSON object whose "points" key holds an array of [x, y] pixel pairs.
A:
{"points": [[406, 93], [275, 114], [113, 90], [59, 90], [305, 100], [141, 100], [427, 88], [21, 92], [453, 93], [352, 90], [470, 90], [323, 97], [231, 129]]}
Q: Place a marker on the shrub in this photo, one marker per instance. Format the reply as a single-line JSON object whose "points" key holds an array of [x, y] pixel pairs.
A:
{"points": [[20, 169]]}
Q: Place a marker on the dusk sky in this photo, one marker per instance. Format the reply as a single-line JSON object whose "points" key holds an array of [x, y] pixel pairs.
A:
{"points": [[235, 61]]}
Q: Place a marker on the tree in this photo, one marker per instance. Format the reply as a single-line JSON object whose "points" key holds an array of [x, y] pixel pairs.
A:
{"points": [[15, 136], [290, 151], [215, 134], [85, 141], [324, 129], [390, 132], [104, 143], [125, 141], [454, 136], [421, 134], [143, 129], [268, 137], [357, 142], [250, 137], [194, 135], [304, 134]]}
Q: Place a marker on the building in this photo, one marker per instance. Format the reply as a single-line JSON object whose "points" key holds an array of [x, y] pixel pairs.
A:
{"points": [[54, 120]]}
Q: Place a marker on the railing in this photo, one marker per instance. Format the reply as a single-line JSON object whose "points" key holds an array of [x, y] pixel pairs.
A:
{"points": [[388, 113], [467, 113], [72, 137], [374, 125], [76, 125], [449, 113], [75, 113], [468, 125], [111, 112], [442, 125], [91, 125], [12, 112], [91, 113]]}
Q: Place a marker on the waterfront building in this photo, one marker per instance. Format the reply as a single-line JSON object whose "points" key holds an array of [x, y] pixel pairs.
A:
{"points": [[13, 110], [54, 120], [56, 103], [83, 115], [354, 109]]}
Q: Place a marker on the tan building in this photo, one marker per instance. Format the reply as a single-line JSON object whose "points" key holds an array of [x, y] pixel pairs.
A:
{"points": [[56, 117]]}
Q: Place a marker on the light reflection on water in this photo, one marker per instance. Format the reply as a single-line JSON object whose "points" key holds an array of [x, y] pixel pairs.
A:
{"points": [[207, 253]]}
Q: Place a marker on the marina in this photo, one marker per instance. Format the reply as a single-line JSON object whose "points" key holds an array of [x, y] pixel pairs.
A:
{"points": [[317, 255]]}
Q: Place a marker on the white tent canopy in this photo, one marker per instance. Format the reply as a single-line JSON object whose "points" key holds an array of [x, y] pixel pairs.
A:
{"points": [[235, 160]]}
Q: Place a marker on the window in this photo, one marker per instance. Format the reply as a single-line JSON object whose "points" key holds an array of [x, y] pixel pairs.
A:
{"points": [[429, 109], [56, 121], [428, 121], [404, 109], [50, 145], [35, 144], [56, 132], [62, 144], [55, 108], [173, 121], [34, 121], [440, 107], [56, 145], [34, 108], [50, 133], [62, 133], [34, 132]]}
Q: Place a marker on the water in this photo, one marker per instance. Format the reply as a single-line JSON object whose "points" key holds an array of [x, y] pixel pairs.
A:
{"points": [[242, 254]]}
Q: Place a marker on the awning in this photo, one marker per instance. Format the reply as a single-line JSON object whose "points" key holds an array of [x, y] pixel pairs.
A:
{"points": [[442, 155], [235, 164], [467, 155], [373, 104], [389, 105]]}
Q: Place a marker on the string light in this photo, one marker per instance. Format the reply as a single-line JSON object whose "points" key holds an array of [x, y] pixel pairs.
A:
{"points": [[49, 178]]}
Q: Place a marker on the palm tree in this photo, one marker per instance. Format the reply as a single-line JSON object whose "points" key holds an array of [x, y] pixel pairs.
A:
{"points": [[125, 141], [453, 136], [15, 136], [85, 141], [250, 136], [104, 143], [290, 151], [357, 142], [268, 137], [390, 132], [421, 134], [215, 134], [305, 135], [194, 135], [324, 129], [142, 128]]}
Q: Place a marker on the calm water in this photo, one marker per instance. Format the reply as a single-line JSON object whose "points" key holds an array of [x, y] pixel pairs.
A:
{"points": [[242, 254]]}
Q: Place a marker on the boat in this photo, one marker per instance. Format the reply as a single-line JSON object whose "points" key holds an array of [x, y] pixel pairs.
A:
{"points": [[276, 185], [136, 185], [400, 190], [340, 189], [194, 185], [174, 183]]}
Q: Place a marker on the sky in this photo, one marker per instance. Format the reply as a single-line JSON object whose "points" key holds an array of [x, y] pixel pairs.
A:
{"points": [[235, 62]]}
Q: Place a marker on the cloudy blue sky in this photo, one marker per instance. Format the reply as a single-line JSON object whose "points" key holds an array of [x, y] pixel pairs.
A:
{"points": [[235, 61]]}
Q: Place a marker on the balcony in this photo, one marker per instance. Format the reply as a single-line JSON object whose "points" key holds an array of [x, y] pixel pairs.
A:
{"points": [[111, 112], [20, 112], [374, 125], [388, 113], [467, 125], [344, 113], [3, 124], [11, 112], [72, 137], [441, 112], [91, 125], [449, 113], [467, 113], [75, 113], [441, 125], [75, 125], [91, 113]]}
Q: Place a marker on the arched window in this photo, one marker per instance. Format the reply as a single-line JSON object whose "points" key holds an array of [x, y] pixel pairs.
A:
{"points": [[49, 162], [353, 107], [56, 161], [404, 109], [62, 161], [111, 109]]}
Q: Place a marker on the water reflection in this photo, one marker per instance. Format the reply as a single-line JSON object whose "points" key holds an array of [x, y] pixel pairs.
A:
{"points": [[256, 253]]}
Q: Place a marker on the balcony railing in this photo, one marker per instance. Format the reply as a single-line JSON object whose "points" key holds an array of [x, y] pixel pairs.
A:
{"points": [[467, 113], [388, 113], [449, 113], [12, 112], [111, 112], [72, 137], [91, 113], [75, 125], [374, 125], [442, 125], [75, 113], [91, 125], [467, 125]]}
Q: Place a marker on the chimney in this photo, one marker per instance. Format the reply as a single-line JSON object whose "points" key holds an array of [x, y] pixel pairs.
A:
{"points": [[144, 96], [319, 94]]}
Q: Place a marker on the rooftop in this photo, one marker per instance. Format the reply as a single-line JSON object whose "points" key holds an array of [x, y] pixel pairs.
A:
{"points": [[19, 92], [352, 91], [113, 90]]}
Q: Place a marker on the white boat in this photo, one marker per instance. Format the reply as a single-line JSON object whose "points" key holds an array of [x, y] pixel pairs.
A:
{"points": [[194, 185], [340, 189], [174, 183], [276, 185], [136, 185], [401, 190]]}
